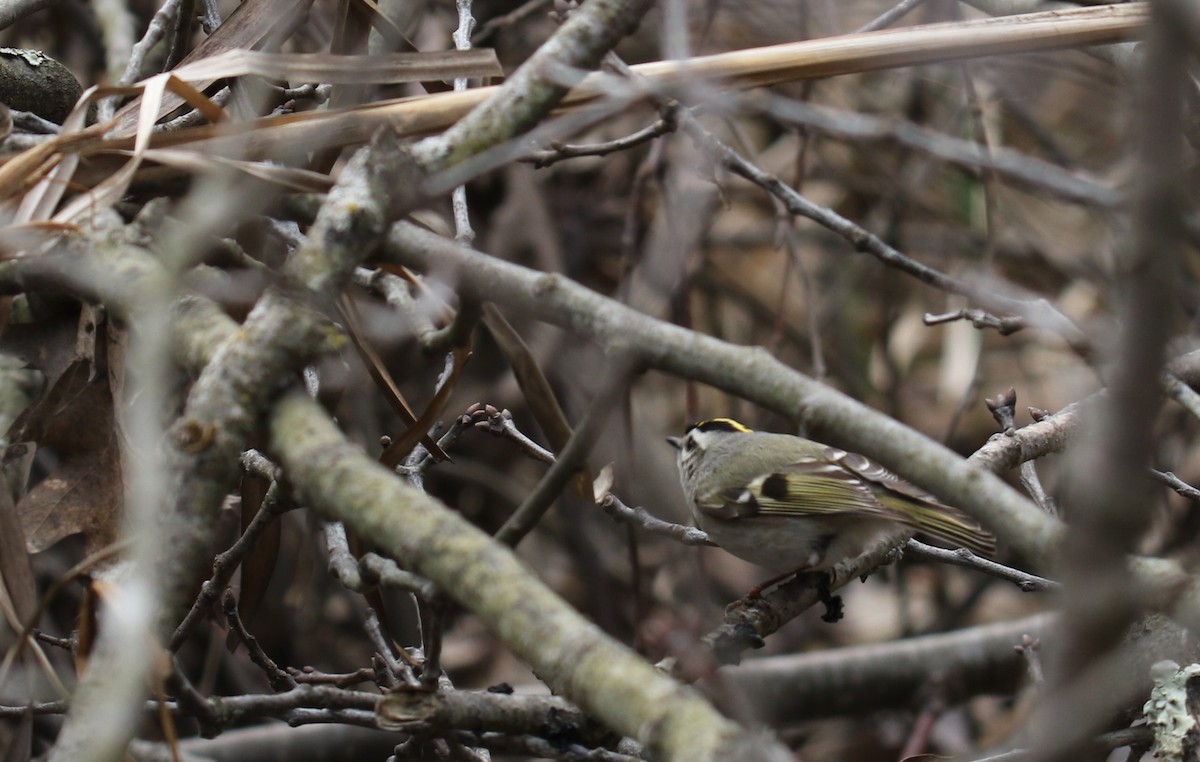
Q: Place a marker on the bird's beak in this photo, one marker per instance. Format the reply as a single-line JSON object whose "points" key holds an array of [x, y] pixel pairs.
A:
{"points": [[675, 442]]}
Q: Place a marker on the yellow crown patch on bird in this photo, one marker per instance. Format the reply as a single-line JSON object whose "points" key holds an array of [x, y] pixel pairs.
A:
{"points": [[721, 424]]}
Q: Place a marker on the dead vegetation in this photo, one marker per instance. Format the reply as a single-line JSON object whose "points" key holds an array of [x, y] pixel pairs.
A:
{"points": [[340, 339]]}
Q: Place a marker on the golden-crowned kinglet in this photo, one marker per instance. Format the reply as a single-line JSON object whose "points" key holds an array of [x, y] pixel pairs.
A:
{"points": [[790, 504]]}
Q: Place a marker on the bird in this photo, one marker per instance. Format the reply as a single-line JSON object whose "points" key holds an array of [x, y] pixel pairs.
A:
{"points": [[791, 504]]}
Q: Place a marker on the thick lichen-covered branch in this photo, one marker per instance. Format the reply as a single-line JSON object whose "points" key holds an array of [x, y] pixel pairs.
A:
{"points": [[586, 666], [541, 82], [571, 654]]}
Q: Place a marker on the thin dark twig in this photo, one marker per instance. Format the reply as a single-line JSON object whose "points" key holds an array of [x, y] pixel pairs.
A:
{"points": [[456, 334], [810, 302], [811, 312], [989, 177], [180, 34], [1014, 166], [342, 563], [890, 16], [190, 700], [559, 151], [572, 456], [227, 563], [633, 228], [1185, 395], [433, 624], [420, 460], [397, 672], [67, 644], [310, 676], [508, 19], [962, 557], [371, 570], [1036, 312], [279, 679], [258, 464], [384, 571]]}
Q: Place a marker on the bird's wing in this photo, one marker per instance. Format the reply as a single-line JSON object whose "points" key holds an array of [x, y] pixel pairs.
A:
{"points": [[870, 471], [920, 509], [809, 487], [841, 484]]}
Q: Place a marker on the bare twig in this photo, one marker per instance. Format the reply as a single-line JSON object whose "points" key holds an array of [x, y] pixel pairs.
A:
{"points": [[1039, 313], [559, 151], [892, 15], [962, 557], [979, 318], [227, 563], [1177, 484], [644, 520], [572, 456], [279, 679], [500, 423], [497, 23], [1003, 408]]}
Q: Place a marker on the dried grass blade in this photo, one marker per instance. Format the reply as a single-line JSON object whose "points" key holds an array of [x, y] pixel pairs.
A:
{"points": [[399, 449], [289, 178], [254, 23], [892, 48], [542, 402], [379, 373], [741, 69], [382, 23], [40, 201], [337, 69]]}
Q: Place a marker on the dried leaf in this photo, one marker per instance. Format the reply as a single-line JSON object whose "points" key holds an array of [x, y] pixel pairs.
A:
{"points": [[84, 493], [86, 623], [15, 571], [115, 349], [47, 345]]}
